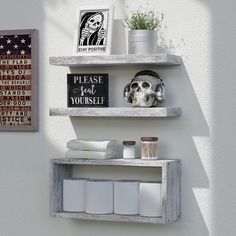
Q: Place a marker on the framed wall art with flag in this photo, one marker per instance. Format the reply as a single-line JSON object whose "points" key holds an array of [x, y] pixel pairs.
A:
{"points": [[18, 80]]}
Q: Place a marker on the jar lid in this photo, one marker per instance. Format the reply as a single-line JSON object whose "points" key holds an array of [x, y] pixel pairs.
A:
{"points": [[149, 139], [129, 142]]}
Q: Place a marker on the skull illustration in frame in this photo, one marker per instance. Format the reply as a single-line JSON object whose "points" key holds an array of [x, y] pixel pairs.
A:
{"points": [[145, 90], [92, 30], [94, 22]]}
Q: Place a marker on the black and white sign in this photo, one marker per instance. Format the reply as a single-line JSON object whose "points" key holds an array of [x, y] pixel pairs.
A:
{"points": [[93, 30], [87, 90]]}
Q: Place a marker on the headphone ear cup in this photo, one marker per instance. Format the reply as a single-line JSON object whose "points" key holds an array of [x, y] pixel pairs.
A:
{"points": [[161, 92], [126, 94]]}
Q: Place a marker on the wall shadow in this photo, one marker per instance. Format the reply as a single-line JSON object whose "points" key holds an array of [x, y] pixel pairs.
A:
{"points": [[118, 38], [223, 116]]}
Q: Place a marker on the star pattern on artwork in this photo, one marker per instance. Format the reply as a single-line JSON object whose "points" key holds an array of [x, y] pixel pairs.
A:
{"points": [[15, 44]]}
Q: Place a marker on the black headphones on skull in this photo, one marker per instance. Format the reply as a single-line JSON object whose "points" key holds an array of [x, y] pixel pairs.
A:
{"points": [[160, 90]]}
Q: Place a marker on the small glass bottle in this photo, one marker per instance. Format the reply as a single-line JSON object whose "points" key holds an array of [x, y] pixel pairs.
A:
{"points": [[149, 148], [129, 149]]}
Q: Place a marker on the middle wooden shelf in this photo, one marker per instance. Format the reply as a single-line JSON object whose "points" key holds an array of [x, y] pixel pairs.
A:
{"points": [[161, 112]]}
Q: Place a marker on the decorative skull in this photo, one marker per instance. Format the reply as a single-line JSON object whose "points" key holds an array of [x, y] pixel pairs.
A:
{"points": [[95, 22], [145, 90]]}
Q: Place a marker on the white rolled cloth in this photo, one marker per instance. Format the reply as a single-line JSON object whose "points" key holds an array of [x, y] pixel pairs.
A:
{"points": [[92, 145], [89, 154]]}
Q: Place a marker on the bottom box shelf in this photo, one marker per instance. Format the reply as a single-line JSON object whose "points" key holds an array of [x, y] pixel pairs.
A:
{"points": [[111, 217], [170, 179]]}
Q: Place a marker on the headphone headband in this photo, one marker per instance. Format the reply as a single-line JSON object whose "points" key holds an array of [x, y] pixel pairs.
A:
{"points": [[147, 72]]}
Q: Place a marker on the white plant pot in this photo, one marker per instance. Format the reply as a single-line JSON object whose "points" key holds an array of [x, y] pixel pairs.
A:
{"points": [[142, 41]]}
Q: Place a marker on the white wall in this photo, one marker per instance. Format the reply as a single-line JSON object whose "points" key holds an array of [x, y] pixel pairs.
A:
{"points": [[204, 34]]}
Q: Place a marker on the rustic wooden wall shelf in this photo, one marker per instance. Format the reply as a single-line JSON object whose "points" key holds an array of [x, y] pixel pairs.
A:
{"points": [[170, 169], [117, 112], [162, 59]]}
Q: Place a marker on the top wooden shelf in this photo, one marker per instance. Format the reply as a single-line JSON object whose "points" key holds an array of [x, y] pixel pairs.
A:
{"points": [[162, 59]]}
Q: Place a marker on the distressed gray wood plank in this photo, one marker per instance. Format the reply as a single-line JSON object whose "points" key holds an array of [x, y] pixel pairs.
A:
{"points": [[114, 162], [110, 217], [113, 60], [117, 112], [57, 174], [171, 191]]}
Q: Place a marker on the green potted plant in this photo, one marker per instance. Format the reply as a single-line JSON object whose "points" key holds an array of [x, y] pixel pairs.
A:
{"points": [[142, 36]]}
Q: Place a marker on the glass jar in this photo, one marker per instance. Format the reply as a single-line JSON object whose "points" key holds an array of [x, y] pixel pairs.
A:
{"points": [[129, 149], [149, 148]]}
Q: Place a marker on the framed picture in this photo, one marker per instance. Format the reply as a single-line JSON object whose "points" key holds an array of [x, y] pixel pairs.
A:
{"points": [[93, 31], [87, 90], [19, 80]]}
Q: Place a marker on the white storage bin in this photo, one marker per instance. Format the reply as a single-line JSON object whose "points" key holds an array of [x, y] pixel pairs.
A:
{"points": [[73, 195], [126, 195], [99, 196], [150, 199]]}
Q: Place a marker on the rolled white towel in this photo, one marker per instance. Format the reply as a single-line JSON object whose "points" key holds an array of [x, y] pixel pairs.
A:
{"points": [[92, 145], [89, 154]]}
